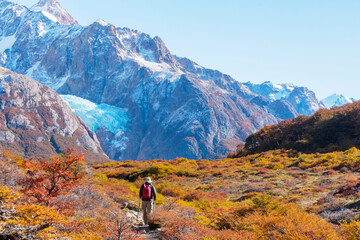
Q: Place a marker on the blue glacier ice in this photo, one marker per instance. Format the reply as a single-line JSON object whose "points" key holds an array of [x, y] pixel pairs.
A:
{"points": [[97, 116]]}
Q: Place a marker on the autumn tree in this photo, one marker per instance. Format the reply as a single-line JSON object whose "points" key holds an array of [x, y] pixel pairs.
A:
{"points": [[47, 179]]}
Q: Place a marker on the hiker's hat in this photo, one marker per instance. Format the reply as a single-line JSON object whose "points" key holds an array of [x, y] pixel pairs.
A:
{"points": [[148, 180]]}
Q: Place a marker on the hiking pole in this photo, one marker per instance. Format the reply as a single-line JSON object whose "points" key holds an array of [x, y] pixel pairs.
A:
{"points": [[138, 211], [154, 206]]}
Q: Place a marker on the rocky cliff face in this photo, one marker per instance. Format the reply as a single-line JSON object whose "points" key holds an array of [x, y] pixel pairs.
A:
{"points": [[35, 121], [174, 107]]}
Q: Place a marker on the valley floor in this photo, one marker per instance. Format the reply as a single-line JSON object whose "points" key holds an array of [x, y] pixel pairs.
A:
{"points": [[272, 195]]}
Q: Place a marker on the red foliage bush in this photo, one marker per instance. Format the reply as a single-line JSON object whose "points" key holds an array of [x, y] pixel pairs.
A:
{"points": [[47, 179]]}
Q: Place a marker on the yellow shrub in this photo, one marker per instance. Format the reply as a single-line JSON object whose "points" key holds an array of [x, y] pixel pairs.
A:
{"points": [[16, 159], [22, 217], [7, 195], [276, 166], [100, 176], [158, 171], [351, 230]]}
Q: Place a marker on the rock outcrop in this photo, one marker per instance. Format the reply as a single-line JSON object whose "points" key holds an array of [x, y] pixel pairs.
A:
{"points": [[35, 121]]}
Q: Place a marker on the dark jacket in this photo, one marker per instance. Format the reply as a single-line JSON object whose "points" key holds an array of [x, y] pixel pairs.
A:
{"points": [[153, 192]]}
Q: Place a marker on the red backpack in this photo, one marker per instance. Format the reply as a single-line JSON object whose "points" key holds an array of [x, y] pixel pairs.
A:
{"points": [[146, 193]]}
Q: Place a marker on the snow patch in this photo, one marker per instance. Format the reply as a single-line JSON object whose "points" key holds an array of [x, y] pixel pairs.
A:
{"points": [[289, 87], [163, 76], [278, 87], [41, 29], [211, 86], [102, 22], [43, 8], [49, 16], [146, 54], [154, 67], [7, 42], [19, 11]]}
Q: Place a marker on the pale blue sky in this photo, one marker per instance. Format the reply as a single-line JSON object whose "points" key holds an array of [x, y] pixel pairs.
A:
{"points": [[312, 43]]}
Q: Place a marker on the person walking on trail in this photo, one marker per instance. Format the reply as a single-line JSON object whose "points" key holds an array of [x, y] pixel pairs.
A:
{"points": [[147, 193]]}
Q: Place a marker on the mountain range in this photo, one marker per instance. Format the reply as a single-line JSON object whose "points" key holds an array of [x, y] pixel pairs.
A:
{"points": [[156, 104]]}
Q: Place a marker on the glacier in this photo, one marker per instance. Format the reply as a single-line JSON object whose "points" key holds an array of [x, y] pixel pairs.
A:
{"points": [[97, 116]]}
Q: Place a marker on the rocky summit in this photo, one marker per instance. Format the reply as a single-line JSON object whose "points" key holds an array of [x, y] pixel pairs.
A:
{"points": [[173, 106], [35, 121], [53, 10]]}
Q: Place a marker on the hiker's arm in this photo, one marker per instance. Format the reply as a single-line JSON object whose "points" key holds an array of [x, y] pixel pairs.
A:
{"points": [[153, 192], [141, 190]]}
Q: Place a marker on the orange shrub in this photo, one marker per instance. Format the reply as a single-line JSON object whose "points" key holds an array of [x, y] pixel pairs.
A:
{"points": [[172, 191], [193, 195], [294, 224]]}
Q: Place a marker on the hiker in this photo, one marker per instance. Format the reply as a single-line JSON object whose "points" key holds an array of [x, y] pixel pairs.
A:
{"points": [[146, 193]]}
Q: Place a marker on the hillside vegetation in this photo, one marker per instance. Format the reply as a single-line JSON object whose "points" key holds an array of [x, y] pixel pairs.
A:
{"points": [[278, 194], [325, 131]]}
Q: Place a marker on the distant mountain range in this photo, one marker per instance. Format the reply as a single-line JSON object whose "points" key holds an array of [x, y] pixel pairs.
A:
{"points": [[336, 100], [306, 105], [142, 101], [300, 99]]}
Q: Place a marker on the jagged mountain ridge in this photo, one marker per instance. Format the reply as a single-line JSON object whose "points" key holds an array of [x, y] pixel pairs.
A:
{"points": [[336, 100], [35, 121], [176, 107], [302, 100], [53, 8]]}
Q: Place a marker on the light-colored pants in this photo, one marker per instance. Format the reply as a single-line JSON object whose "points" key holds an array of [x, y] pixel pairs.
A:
{"points": [[147, 207]]}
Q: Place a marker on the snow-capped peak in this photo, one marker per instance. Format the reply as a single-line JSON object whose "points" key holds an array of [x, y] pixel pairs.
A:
{"points": [[270, 90], [102, 22], [53, 10], [336, 100]]}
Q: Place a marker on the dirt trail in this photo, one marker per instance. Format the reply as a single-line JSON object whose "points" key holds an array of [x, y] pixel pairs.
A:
{"points": [[143, 229], [147, 233]]}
